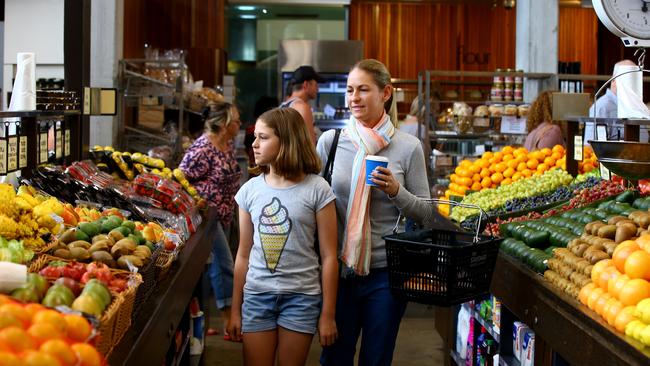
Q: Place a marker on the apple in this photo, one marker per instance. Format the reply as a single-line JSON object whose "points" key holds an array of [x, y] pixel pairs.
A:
{"points": [[39, 282], [27, 293], [60, 293], [70, 284]]}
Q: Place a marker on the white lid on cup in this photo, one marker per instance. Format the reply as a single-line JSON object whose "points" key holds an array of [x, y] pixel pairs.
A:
{"points": [[382, 159]]}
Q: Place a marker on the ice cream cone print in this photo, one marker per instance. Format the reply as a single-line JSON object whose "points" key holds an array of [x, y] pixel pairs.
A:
{"points": [[274, 228]]}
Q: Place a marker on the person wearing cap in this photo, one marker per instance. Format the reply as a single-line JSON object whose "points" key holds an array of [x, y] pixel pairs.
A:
{"points": [[607, 105], [305, 87]]}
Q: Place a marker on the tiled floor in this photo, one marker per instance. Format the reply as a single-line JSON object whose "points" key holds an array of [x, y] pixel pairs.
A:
{"points": [[417, 343]]}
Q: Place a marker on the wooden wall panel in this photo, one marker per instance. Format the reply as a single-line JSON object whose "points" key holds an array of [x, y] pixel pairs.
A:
{"points": [[196, 26], [577, 38]]}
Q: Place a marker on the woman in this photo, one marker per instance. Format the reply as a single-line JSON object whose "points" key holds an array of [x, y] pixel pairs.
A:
{"points": [[544, 132], [210, 165], [365, 214]]}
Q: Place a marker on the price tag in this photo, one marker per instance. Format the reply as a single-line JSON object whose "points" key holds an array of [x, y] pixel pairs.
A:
{"points": [[67, 142], [604, 172], [601, 133], [42, 148], [58, 144], [22, 152], [482, 122], [443, 161], [12, 153], [3, 156], [512, 124], [577, 148], [479, 150]]}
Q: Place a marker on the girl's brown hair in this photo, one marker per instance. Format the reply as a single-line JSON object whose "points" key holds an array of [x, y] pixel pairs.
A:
{"points": [[540, 111], [381, 76], [219, 116], [297, 153]]}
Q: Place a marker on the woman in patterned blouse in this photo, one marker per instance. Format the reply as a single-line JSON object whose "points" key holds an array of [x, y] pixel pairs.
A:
{"points": [[210, 165]]}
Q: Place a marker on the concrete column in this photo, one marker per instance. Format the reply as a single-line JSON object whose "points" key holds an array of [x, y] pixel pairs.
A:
{"points": [[105, 51], [537, 43]]}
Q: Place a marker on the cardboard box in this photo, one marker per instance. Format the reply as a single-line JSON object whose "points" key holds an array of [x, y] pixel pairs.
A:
{"points": [[151, 116]]}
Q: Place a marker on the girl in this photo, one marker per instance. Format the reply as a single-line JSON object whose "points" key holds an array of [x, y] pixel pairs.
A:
{"points": [[210, 165], [280, 299]]}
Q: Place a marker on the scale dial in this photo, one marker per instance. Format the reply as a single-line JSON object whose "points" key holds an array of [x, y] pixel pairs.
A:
{"points": [[628, 19]]}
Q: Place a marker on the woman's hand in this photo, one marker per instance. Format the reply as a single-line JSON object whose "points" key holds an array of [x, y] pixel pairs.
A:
{"points": [[327, 330], [234, 326], [385, 181]]}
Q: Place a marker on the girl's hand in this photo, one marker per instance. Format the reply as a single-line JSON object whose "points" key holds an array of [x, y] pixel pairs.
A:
{"points": [[327, 332], [234, 327], [385, 181]]}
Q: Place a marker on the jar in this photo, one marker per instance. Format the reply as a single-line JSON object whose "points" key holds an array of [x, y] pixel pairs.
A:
{"points": [[519, 79], [507, 94], [518, 94], [498, 79], [496, 94], [509, 80]]}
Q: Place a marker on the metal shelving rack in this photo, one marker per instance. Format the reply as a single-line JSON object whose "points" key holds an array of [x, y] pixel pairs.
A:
{"points": [[133, 86]]}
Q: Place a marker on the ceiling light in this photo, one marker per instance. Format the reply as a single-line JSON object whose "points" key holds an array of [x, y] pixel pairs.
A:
{"points": [[246, 7], [247, 16], [264, 11]]}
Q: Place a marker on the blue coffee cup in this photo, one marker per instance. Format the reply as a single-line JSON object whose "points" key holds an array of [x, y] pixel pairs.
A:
{"points": [[372, 162]]}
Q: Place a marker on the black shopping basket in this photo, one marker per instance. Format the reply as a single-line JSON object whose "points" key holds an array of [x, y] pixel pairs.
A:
{"points": [[441, 267]]}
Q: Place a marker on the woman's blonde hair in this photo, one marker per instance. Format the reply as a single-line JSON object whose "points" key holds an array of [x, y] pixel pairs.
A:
{"points": [[219, 115], [297, 154], [381, 77], [540, 111]]}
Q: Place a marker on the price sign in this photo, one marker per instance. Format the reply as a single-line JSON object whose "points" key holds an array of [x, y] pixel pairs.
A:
{"points": [[22, 152], [577, 148], [443, 161], [512, 124], [42, 148], [12, 154], [67, 142], [3, 156], [58, 144], [482, 122], [604, 172]]}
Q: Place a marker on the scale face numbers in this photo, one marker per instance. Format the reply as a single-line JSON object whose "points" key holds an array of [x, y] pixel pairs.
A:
{"points": [[625, 18]]}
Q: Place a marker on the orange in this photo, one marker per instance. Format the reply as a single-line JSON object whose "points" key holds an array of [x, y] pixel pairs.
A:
{"points": [[634, 291], [476, 177], [487, 155], [467, 182], [506, 181], [542, 167], [516, 176], [463, 172], [556, 156], [637, 265], [9, 359], [605, 275], [485, 173], [500, 167], [77, 327], [486, 182], [594, 296], [507, 157], [4, 299], [86, 354], [538, 155], [496, 178], [527, 173], [521, 167], [612, 308], [599, 305], [61, 350], [507, 149], [462, 189], [585, 291], [8, 320], [549, 161], [465, 163], [483, 163], [493, 161], [614, 285], [43, 332], [624, 316], [34, 358], [18, 311], [32, 309], [475, 168], [454, 178], [532, 163], [512, 164], [476, 186], [498, 156], [598, 267], [520, 151], [587, 167], [622, 251], [508, 172], [643, 241], [558, 149], [17, 339], [51, 317], [546, 151]]}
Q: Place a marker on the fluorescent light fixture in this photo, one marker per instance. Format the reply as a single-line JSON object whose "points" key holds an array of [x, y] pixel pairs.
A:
{"points": [[247, 16], [265, 11], [246, 7]]}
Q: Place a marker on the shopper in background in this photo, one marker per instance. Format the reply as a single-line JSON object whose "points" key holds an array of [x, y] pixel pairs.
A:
{"points": [[282, 295], [304, 88], [210, 165], [414, 119], [543, 131], [607, 105], [365, 214]]}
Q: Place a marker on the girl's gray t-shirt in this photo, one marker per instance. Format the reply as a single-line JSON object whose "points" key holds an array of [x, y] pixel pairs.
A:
{"points": [[283, 258]]}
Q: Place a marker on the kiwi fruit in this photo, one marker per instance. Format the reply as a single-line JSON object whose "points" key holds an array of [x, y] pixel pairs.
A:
{"points": [[607, 231]]}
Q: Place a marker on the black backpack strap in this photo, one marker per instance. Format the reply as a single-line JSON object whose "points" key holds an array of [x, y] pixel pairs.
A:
{"points": [[329, 165]]}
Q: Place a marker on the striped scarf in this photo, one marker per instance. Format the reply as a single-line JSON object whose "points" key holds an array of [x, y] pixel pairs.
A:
{"points": [[357, 238]]}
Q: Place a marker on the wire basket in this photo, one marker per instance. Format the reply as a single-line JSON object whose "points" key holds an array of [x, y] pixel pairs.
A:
{"points": [[440, 267]]}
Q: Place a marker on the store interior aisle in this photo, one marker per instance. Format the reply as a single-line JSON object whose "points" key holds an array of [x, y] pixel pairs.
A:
{"points": [[418, 343]]}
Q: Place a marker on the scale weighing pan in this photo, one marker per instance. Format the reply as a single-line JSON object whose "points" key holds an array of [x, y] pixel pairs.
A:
{"points": [[630, 160]]}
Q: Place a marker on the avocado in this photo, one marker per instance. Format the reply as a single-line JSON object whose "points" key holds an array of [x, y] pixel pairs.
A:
{"points": [[139, 240], [124, 230], [81, 235], [129, 224], [108, 225], [90, 228]]}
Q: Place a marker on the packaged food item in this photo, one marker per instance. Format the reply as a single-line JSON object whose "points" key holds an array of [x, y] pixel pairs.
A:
{"points": [[522, 110], [496, 314], [462, 331], [528, 349], [496, 110], [510, 110], [518, 329]]}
